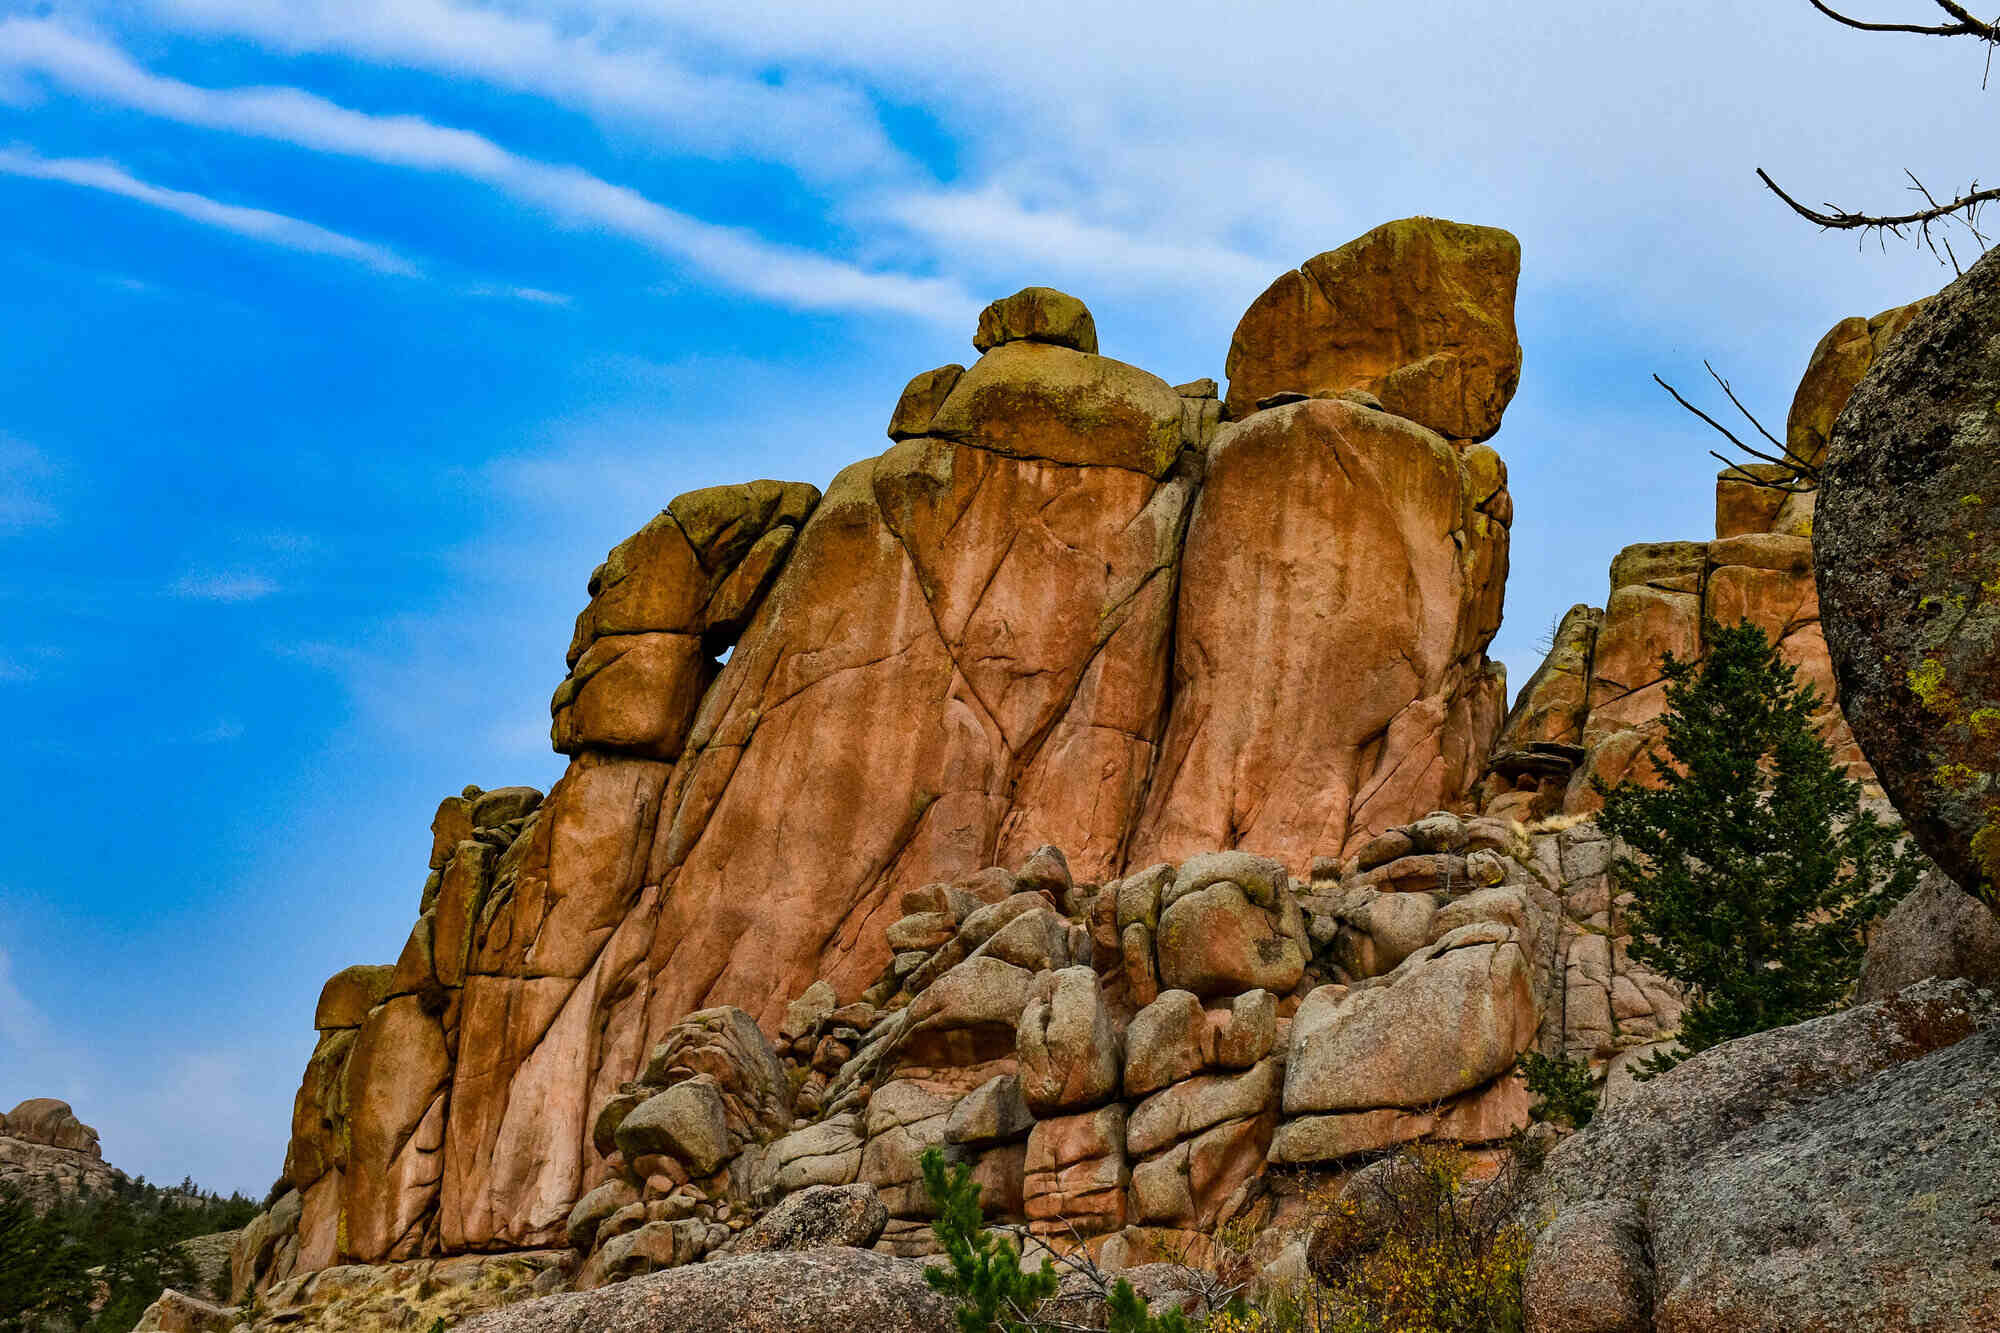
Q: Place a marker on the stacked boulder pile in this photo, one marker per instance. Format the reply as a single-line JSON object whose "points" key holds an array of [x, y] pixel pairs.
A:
{"points": [[1135, 1065]]}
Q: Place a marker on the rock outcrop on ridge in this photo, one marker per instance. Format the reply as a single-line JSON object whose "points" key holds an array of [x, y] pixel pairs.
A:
{"points": [[1911, 549], [1069, 605], [47, 1154], [1592, 710]]}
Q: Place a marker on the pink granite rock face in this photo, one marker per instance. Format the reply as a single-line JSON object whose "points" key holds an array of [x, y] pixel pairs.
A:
{"points": [[1069, 605]]}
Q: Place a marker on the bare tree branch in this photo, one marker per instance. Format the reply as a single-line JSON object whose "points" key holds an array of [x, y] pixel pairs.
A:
{"points": [[1966, 26], [1799, 475], [1841, 219]]}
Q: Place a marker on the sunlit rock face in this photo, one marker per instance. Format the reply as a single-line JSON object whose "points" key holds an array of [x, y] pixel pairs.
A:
{"points": [[1070, 605]]}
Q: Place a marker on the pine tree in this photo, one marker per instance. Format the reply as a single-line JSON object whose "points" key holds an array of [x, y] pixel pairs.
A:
{"points": [[1753, 869]]}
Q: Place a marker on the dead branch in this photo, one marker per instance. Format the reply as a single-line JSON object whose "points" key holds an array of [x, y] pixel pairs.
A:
{"points": [[1799, 475], [1963, 25]]}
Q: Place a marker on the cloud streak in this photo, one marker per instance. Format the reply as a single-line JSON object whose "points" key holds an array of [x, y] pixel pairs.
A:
{"points": [[733, 257], [230, 586], [24, 471], [256, 224], [822, 128]]}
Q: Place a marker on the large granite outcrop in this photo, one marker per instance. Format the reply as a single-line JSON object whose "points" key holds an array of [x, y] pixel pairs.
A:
{"points": [[1832, 1176], [1070, 604], [1909, 540]]}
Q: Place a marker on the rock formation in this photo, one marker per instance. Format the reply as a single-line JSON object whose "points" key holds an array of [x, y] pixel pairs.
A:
{"points": [[1911, 549], [1069, 605], [47, 1154], [1592, 710], [1106, 786]]}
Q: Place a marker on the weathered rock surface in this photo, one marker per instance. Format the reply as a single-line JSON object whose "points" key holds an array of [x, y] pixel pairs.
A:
{"points": [[811, 1291], [1418, 313], [815, 1218], [1908, 539], [1829, 1176], [47, 1154], [46, 1121], [1939, 930]]}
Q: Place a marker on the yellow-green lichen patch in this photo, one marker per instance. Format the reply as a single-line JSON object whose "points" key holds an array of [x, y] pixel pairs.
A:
{"points": [[1956, 777], [1926, 681]]}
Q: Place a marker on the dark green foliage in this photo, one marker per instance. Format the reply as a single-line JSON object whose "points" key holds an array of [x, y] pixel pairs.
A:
{"points": [[1565, 1093], [1753, 869], [994, 1293], [117, 1245]]}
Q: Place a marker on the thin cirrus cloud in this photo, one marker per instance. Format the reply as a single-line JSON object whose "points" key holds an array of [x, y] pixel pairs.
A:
{"points": [[256, 223], [223, 586], [821, 128], [735, 258], [25, 473]]}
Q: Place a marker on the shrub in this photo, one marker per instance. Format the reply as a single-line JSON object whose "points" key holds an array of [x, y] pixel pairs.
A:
{"points": [[994, 1293], [1564, 1090], [1412, 1244]]}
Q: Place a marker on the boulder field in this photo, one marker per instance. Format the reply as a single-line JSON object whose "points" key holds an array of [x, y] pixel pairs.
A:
{"points": [[1105, 785]]}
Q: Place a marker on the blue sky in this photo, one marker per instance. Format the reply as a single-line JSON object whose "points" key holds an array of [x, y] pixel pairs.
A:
{"points": [[344, 336]]}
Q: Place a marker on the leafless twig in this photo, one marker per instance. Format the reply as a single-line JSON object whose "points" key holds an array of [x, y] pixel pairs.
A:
{"points": [[1799, 474]]}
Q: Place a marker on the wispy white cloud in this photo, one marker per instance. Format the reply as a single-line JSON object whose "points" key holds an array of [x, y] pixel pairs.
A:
{"points": [[226, 730], [224, 586], [255, 223], [734, 257], [21, 1026], [532, 295], [25, 475], [823, 128], [15, 673]]}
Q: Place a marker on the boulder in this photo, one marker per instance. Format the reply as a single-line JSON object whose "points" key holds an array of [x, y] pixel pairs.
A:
{"points": [[1216, 942], [176, 1312], [1385, 1046], [1047, 401], [1036, 314], [1871, 1207], [1591, 1272], [1939, 930], [1699, 1104], [994, 1112], [1167, 1041], [594, 1208], [50, 1122], [1418, 313], [1068, 1045], [348, 996], [818, 1217], [806, 1291], [921, 399], [686, 1122], [1906, 537]]}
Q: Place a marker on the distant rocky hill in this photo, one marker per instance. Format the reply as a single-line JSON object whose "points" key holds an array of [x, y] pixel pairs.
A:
{"points": [[46, 1153]]}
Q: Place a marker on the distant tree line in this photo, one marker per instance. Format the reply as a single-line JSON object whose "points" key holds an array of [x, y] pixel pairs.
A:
{"points": [[94, 1262]]}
